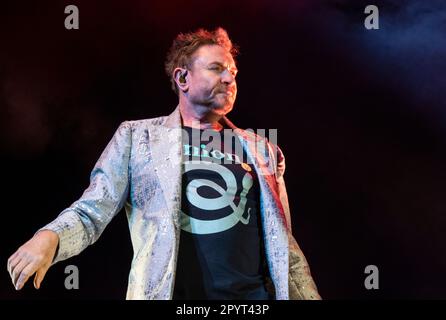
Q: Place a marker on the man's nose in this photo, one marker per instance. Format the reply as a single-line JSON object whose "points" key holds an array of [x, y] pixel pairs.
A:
{"points": [[228, 77]]}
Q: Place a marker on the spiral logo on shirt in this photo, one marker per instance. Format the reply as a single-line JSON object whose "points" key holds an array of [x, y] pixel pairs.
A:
{"points": [[198, 226]]}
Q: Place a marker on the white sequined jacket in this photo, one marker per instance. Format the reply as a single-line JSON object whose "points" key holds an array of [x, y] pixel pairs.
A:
{"points": [[140, 169]]}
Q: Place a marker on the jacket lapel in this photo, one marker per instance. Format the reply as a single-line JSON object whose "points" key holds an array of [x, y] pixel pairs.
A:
{"points": [[272, 212], [165, 149]]}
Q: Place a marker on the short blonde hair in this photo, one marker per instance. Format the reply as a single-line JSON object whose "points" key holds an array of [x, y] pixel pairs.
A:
{"points": [[185, 44]]}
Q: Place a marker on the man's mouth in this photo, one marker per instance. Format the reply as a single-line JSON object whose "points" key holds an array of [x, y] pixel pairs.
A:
{"points": [[227, 92]]}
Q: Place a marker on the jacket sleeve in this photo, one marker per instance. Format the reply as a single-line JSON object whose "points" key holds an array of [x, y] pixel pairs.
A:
{"points": [[300, 282], [82, 223]]}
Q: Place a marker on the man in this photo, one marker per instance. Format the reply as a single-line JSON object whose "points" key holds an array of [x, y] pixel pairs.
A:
{"points": [[200, 228]]}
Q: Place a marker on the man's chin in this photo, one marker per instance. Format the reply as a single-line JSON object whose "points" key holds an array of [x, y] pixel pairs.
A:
{"points": [[222, 109], [225, 103]]}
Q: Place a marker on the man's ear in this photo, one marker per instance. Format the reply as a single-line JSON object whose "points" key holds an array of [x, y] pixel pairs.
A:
{"points": [[181, 78]]}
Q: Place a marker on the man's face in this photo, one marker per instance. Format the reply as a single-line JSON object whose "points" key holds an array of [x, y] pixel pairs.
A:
{"points": [[212, 79]]}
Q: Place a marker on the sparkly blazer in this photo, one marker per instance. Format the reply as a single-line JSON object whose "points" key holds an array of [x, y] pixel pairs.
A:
{"points": [[140, 170]]}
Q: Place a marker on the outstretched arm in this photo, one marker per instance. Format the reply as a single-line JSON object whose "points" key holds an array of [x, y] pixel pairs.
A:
{"points": [[83, 222]]}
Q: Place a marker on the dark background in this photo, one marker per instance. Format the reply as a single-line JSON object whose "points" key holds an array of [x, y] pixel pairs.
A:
{"points": [[361, 118]]}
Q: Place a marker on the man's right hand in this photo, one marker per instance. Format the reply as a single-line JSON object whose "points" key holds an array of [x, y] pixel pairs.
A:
{"points": [[35, 256]]}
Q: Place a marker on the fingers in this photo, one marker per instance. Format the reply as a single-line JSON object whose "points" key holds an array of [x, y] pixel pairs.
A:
{"points": [[27, 271], [12, 261], [40, 274], [17, 271], [20, 268], [37, 281]]}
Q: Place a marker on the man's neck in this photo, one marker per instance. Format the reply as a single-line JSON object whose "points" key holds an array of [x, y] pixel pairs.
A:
{"points": [[192, 117]]}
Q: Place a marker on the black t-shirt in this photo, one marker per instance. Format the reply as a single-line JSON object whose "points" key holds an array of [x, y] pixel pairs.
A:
{"points": [[221, 253]]}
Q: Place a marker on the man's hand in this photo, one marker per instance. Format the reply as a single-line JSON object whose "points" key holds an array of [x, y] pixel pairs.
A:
{"points": [[35, 256]]}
